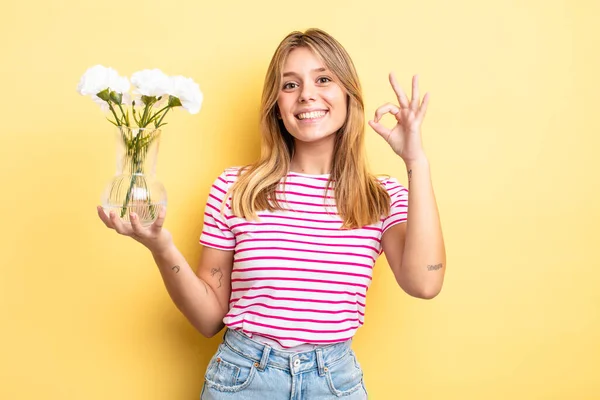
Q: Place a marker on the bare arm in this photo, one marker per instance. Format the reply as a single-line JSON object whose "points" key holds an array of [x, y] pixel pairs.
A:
{"points": [[203, 297], [415, 250]]}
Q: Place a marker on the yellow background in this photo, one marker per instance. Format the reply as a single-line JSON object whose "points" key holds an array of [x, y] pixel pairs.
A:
{"points": [[512, 137]]}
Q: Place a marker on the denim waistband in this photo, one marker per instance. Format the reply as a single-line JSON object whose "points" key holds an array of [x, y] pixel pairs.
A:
{"points": [[293, 362]]}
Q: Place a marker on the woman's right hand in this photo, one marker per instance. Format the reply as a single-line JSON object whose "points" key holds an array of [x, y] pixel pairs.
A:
{"points": [[154, 237]]}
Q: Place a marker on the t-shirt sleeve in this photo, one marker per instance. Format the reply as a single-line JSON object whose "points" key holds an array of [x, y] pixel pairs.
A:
{"points": [[216, 232], [398, 203]]}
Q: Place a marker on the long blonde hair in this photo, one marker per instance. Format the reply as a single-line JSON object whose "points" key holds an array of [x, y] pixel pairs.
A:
{"points": [[360, 198]]}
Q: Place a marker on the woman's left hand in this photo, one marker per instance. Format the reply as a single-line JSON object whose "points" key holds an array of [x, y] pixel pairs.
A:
{"points": [[405, 137]]}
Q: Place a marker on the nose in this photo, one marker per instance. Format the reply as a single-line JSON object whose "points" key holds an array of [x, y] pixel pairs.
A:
{"points": [[308, 93]]}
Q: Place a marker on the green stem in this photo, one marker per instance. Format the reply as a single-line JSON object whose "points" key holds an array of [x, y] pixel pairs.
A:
{"points": [[141, 124], [158, 112], [161, 118], [124, 136], [125, 118], [135, 166], [139, 152], [114, 113], [134, 116], [143, 121]]}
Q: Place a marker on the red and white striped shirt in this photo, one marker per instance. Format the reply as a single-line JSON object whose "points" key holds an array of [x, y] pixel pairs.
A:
{"points": [[297, 277]]}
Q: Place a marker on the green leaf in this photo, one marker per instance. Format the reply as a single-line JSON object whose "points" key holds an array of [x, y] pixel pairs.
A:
{"points": [[111, 121], [104, 95]]}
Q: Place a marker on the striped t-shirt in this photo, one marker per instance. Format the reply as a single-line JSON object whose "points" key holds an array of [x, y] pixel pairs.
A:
{"points": [[297, 277]]}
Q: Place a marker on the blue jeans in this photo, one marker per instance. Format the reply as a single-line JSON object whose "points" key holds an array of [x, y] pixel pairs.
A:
{"points": [[246, 369]]}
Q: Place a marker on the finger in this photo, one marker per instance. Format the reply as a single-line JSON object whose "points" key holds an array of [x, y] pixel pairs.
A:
{"points": [[402, 99], [414, 102], [118, 224], [384, 109], [136, 226], [104, 217], [380, 129], [160, 220], [423, 108]]}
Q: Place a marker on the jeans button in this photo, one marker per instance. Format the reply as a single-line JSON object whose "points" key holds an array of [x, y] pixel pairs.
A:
{"points": [[296, 363]]}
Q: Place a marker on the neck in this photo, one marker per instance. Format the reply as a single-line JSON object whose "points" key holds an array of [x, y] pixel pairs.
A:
{"points": [[312, 158]]}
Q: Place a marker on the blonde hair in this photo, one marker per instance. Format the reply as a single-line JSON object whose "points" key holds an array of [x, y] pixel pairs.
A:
{"points": [[360, 198]]}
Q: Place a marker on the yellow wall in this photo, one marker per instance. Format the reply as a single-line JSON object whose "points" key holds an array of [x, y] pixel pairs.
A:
{"points": [[512, 132]]}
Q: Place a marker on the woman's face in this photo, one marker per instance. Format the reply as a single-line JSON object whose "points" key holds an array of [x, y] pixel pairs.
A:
{"points": [[312, 105]]}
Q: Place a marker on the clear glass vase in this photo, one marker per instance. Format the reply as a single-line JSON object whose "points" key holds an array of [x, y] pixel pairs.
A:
{"points": [[134, 188]]}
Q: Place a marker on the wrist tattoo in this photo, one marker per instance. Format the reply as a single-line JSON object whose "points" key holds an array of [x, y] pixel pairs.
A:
{"points": [[217, 271], [176, 269], [409, 175], [434, 267]]}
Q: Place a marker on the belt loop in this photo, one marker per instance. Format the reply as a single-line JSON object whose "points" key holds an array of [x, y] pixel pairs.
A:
{"points": [[320, 362], [265, 358]]}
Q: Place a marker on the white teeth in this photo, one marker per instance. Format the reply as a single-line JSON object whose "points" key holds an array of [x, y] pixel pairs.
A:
{"points": [[311, 115]]}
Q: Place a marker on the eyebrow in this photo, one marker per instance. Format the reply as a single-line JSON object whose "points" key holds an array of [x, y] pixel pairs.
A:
{"points": [[290, 73]]}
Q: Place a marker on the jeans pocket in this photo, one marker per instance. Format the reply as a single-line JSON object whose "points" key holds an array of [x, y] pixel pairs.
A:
{"points": [[345, 375], [227, 371]]}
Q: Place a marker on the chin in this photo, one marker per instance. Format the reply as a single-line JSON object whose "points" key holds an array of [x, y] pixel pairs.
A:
{"points": [[313, 137]]}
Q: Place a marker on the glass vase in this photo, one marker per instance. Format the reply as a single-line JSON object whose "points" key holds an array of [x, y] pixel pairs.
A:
{"points": [[134, 188]]}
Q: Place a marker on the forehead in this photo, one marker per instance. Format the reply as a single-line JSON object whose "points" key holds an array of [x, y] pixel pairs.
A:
{"points": [[302, 59]]}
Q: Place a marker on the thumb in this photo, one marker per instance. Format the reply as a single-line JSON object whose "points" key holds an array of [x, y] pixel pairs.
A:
{"points": [[160, 220]]}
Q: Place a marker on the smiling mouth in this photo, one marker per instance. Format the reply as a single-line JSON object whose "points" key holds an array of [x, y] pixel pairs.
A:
{"points": [[313, 115]]}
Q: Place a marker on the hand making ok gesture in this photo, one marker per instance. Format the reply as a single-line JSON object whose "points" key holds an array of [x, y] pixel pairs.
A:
{"points": [[405, 137]]}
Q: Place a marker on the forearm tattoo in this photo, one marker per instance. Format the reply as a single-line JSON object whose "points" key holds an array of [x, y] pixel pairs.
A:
{"points": [[217, 271], [434, 267], [409, 175], [176, 269]]}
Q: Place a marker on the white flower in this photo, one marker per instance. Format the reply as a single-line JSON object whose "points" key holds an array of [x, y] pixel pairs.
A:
{"points": [[126, 99], [137, 97], [99, 78], [150, 82], [188, 92], [162, 102]]}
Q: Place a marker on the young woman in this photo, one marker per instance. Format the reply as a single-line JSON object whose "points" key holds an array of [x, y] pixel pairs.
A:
{"points": [[290, 241]]}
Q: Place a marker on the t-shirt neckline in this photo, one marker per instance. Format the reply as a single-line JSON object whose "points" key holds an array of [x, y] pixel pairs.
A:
{"points": [[291, 173]]}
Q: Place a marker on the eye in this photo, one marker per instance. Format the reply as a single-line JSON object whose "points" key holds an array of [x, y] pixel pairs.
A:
{"points": [[324, 79], [290, 85]]}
